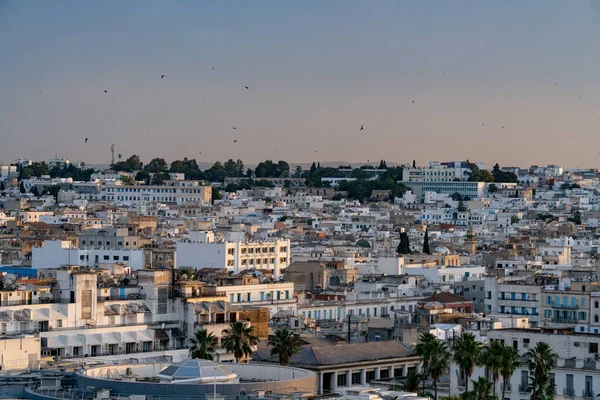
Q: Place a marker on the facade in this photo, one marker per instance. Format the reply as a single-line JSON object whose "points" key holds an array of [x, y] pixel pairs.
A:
{"points": [[237, 255], [56, 253], [345, 365], [181, 192], [576, 376]]}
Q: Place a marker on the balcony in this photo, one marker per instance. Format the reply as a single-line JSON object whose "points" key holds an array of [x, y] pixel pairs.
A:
{"points": [[561, 320], [564, 306], [587, 394], [569, 392]]}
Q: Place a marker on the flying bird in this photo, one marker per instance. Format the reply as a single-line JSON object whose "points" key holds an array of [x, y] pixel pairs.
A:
{"points": [[106, 91], [235, 141], [162, 76], [86, 139], [246, 87], [413, 102], [362, 127], [234, 127]]}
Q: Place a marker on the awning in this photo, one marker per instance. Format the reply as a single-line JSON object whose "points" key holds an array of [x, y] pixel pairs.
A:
{"points": [[127, 337], [40, 314], [145, 336], [56, 342], [93, 340], [161, 335], [177, 333], [110, 338], [76, 340]]}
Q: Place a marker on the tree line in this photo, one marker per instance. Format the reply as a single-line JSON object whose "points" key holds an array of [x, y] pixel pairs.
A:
{"points": [[501, 360], [239, 338]]}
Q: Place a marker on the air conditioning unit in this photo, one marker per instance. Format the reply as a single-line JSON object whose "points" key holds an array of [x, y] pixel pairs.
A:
{"points": [[576, 344]]}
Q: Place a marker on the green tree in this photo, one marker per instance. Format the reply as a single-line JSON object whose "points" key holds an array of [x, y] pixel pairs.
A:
{"points": [[216, 194], [456, 196], [143, 176], [481, 390], [203, 345], [514, 219], [508, 366], [285, 344], [411, 383], [156, 165], [541, 360], [466, 355], [492, 188], [404, 245], [424, 349], [426, 249], [128, 179], [491, 357], [461, 206], [239, 339], [22, 188], [53, 191], [34, 191], [439, 356], [298, 172]]}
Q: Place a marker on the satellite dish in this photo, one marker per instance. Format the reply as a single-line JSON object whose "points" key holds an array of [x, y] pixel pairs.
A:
{"points": [[46, 297], [9, 280]]}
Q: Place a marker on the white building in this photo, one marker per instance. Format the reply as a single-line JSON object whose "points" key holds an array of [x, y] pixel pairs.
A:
{"points": [[181, 192], [576, 376], [201, 250], [56, 253]]}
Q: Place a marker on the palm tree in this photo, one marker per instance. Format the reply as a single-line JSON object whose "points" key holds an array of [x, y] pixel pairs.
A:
{"points": [[238, 339], [285, 343], [541, 361], [481, 390], [491, 357], [439, 357], [203, 345], [508, 366], [411, 383], [466, 354], [423, 349]]}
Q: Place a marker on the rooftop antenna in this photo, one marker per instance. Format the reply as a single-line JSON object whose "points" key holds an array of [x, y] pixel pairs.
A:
{"points": [[112, 154]]}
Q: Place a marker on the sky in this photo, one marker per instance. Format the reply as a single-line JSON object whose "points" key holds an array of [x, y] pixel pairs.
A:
{"points": [[508, 81]]}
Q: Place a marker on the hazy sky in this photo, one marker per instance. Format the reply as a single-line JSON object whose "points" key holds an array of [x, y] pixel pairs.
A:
{"points": [[317, 71]]}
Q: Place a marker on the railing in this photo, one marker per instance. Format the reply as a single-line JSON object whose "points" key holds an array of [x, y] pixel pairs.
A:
{"points": [[588, 394], [105, 353], [130, 296], [26, 302], [564, 306], [524, 388], [564, 320], [569, 392], [93, 326]]}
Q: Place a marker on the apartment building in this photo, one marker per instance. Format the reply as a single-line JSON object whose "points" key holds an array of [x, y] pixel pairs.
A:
{"points": [[56, 253], [514, 298], [576, 375], [180, 192], [201, 250]]}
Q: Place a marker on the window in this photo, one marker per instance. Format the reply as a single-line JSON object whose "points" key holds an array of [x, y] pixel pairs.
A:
{"points": [[58, 323], [341, 379], [115, 258], [106, 258], [125, 258], [593, 347], [356, 378]]}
